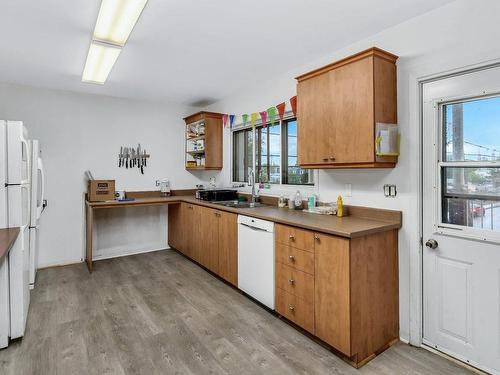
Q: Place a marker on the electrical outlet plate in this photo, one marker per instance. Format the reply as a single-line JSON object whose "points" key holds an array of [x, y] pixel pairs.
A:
{"points": [[390, 190]]}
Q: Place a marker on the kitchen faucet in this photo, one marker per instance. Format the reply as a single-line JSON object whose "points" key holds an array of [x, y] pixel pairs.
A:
{"points": [[251, 180]]}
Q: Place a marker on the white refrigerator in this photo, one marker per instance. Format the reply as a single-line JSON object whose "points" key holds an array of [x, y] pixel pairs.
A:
{"points": [[15, 195], [37, 205]]}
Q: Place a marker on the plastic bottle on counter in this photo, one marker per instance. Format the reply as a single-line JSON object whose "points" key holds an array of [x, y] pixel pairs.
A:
{"points": [[340, 207]]}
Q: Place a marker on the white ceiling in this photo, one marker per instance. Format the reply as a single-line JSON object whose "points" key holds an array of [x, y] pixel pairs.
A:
{"points": [[187, 51]]}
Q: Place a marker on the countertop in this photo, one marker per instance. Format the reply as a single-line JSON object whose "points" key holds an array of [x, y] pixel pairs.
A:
{"points": [[349, 226], [7, 238]]}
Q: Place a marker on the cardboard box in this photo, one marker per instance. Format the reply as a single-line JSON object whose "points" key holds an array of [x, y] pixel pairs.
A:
{"points": [[101, 190]]}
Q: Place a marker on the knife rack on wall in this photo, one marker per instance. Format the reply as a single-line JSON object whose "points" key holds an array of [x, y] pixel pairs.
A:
{"points": [[130, 157]]}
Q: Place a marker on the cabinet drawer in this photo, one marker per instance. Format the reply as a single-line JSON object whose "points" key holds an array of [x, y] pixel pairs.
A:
{"points": [[298, 238], [296, 282], [295, 258], [295, 309]]}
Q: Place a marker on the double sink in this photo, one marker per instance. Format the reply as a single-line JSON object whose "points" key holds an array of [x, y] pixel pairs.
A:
{"points": [[238, 204]]}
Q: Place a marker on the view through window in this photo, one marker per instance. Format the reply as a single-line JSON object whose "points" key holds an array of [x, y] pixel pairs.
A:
{"points": [[470, 170], [275, 155]]}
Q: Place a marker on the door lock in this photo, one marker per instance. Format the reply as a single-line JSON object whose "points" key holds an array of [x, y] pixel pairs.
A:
{"points": [[432, 244]]}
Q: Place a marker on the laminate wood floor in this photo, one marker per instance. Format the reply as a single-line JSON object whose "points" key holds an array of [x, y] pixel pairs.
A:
{"points": [[159, 313]]}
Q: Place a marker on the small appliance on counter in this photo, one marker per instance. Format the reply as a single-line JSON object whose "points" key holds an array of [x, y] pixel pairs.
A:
{"points": [[164, 185], [217, 194]]}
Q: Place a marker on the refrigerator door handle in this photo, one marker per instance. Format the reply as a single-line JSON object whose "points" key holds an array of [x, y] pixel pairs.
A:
{"points": [[43, 201]]}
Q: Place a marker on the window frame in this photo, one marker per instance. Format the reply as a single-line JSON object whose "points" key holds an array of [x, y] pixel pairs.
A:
{"points": [[288, 116], [442, 227]]}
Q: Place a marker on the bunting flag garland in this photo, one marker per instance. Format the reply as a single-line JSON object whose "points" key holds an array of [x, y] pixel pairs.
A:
{"points": [[263, 116], [271, 113], [281, 110], [244, 118], [253, 118], [293, 103]]}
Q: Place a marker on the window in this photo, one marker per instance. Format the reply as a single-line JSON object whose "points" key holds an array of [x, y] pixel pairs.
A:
{"points": [[470, 167], [275, 155]]}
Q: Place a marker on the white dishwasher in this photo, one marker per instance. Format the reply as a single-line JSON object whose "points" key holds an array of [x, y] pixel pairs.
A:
{"points": [[256, 259]]}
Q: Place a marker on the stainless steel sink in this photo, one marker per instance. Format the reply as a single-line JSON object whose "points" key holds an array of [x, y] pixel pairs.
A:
{"points": [[237, 204]]}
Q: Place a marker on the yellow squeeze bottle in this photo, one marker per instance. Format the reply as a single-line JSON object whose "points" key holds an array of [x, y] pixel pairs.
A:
{"points": [[340, 207]]}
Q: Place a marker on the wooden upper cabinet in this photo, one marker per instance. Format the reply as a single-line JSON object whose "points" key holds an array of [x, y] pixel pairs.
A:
{"points": [[203, 128], [338, 107]]}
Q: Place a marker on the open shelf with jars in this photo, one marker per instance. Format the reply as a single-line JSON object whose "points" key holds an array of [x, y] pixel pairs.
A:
{"points": [[203, 141]]}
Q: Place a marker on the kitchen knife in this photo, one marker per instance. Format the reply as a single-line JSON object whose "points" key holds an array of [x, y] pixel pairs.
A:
{"points": [[126, 157], [145, 159], [120, 157], [139, 156]]}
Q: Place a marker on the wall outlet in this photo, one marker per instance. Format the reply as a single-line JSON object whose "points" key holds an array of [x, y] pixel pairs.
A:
{"points": [[390, 190], [348, 190]]}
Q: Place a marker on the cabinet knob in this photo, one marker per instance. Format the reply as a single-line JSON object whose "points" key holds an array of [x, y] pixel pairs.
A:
{"points": [[291, 237], [325, 159], [292, 258], [291, 281], [332, 158], [317, 237], [291, 308]]}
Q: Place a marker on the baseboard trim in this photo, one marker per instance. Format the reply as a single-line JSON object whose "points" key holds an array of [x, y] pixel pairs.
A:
{"points": [[95, 259], [57, 265]]}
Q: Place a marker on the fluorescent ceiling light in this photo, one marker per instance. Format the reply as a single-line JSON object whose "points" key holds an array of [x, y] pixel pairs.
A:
{"points": [[100, 61], [116, 20]]}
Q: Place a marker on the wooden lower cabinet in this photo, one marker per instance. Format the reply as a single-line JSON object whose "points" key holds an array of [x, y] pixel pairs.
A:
{"points": [[228, 247], [209, 238], [206, 235], [350, 300], [295, 309]]}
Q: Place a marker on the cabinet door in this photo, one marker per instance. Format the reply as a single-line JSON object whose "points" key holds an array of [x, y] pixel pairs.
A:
{"points": [[331, 292], [352, 113], [208, 241], [213, 143], [228, 247], [175, 227], [314, 120]]}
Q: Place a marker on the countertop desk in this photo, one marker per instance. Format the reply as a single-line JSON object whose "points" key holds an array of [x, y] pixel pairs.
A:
{"points": [[90, 207]]}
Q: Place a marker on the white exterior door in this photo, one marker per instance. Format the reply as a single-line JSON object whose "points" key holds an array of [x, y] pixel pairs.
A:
{"points": [[461, 217]]}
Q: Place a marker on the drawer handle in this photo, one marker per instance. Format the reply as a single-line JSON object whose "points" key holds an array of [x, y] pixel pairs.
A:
{"points": [[325, 159], [291, 308], [291, 281], [291, 237], [292, 258]]}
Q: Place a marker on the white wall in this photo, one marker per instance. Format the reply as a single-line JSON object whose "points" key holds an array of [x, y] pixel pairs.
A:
{"points": [[79, 132], [453, 36]]}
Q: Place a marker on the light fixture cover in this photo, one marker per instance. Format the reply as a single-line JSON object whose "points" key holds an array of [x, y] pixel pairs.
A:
{"points": [[100, 61], [116, 20]]}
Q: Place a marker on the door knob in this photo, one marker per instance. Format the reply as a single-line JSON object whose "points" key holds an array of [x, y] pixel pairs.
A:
{"points": [[431, 244]]}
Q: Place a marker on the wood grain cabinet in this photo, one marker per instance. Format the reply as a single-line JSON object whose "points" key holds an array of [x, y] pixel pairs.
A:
{"points": [[206, 235], [203, 141], [338, 108], [344, 291]]}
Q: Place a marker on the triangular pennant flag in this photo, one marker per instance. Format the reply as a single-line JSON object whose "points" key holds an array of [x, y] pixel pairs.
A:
{"points": [[293, 103], [281, 110], [253, 118], [244, 117], [224, 119], [271, 113], [231, 121], [263, 116]]}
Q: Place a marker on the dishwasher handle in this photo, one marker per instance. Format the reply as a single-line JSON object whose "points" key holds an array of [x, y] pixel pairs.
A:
{"points": [[253, 228]]}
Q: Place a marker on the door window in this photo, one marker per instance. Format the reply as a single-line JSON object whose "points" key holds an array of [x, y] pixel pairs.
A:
{"points": [[470, 166]]}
